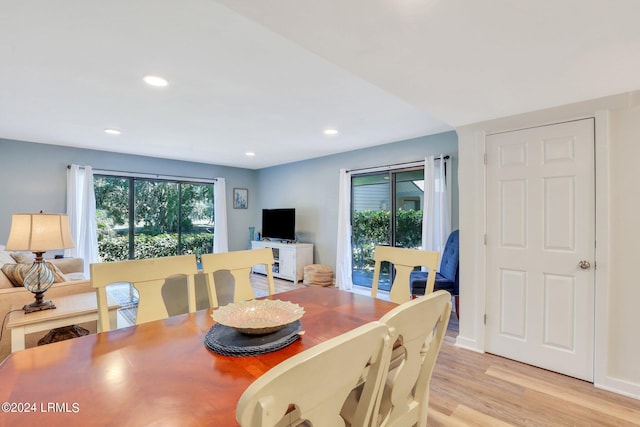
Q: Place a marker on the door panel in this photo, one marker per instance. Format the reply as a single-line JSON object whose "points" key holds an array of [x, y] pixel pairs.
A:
{"points": [[541, 224], [559, 214], [559, 328], [513, 288], [514, 225]]}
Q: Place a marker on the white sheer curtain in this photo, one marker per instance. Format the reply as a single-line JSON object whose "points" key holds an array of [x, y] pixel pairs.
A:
{"points": [[221, 237], [81, 208], [344, 252], [436, 220]]}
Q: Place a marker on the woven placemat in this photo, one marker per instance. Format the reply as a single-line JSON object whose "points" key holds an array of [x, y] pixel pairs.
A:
{"points": [[229, 342]]}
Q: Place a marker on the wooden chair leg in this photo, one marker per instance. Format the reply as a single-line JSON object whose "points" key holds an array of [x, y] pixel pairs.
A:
{"points": [[456, 302]]}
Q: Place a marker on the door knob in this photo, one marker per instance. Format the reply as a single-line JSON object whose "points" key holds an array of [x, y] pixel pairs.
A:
{"points": [[584, 264]]}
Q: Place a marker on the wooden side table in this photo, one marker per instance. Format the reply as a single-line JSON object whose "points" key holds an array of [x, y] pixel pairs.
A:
{"points": [[71, 309]]}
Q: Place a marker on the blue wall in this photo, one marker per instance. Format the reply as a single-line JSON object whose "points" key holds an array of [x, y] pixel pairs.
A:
{"points": [[34, 178], [311, 186]]}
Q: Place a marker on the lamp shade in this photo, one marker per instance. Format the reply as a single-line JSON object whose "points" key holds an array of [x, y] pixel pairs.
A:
{"points": [[39, 232]]}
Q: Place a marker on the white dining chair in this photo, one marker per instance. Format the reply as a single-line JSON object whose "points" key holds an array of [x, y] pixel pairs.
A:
{"points": [[417, 330], [148, 277], [239, 264], [312, 386], [404, 261]]}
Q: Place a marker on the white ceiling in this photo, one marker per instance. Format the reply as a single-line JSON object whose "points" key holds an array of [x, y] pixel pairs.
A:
{"points": [[270, 76]]}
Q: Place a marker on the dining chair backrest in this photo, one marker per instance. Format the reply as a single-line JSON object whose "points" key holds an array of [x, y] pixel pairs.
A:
{"points": [[417, 329], [313, 385], [147, 276], [404, 261], [239, 264]]}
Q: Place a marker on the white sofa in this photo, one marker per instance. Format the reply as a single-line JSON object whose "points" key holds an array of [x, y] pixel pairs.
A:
{"points": [[10, 295]]}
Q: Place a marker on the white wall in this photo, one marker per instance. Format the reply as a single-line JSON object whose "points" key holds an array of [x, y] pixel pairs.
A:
{"points": [[624, 282], [618, 231]]}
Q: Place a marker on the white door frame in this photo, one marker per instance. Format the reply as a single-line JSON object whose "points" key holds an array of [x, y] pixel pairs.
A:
{"points": [[473, 280], [542, 313], [600, 377]]}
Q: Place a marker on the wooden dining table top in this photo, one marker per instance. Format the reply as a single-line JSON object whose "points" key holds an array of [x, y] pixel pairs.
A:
{"points": [[160, 373]]}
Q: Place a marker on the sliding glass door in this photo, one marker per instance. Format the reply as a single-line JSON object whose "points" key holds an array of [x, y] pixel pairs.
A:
{"points": [[370, 221], [408, 202], [386, 211]]}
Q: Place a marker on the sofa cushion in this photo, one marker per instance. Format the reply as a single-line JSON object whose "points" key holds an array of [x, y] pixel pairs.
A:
{"points": [[4, 281], [68, 265], [75, 276], [16, 272], [23, 257], [5, 258]]}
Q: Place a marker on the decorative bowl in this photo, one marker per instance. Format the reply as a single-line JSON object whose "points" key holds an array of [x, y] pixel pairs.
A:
{"points": [[257, 317]]}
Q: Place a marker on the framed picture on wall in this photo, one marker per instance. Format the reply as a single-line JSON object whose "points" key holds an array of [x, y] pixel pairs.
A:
{"points": [[240, 198]]}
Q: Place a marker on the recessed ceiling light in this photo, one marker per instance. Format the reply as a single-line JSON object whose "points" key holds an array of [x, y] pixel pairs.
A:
{"points": [[155, 81], [112, 131], [249, 154], [330, 132]]}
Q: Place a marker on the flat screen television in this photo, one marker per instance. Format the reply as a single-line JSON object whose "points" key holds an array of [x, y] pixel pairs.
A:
{"points": [[279, 224]]}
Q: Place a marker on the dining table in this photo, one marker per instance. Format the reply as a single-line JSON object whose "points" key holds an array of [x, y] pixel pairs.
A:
{"points": [[161, 373]]}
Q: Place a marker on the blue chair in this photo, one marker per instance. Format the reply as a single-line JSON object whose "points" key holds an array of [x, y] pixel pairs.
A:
{"points": [[447, 278]]}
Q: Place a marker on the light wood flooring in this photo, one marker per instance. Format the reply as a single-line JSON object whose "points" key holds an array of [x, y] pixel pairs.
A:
{"points": [[260, 288], [474, 389]]}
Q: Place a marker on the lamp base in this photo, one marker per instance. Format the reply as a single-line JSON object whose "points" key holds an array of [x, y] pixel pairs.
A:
{"points": [[38, 306]]}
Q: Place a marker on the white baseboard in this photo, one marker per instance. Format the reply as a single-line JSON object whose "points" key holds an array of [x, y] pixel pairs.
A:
{"points": [[468, 344], [622, 387]]}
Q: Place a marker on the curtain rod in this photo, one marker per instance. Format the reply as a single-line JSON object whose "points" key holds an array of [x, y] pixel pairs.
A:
{"points": [[148, 175], [396, 165]]}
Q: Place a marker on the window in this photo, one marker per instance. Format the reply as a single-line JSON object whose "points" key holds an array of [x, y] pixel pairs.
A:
{"points": [[146, 218], [386, 211]]}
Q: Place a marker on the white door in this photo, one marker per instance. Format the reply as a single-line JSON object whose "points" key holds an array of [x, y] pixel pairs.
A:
{"points": [[541, 246]]}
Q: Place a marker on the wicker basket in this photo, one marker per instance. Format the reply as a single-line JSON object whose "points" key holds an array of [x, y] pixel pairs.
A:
{"points": [[318, 275]]}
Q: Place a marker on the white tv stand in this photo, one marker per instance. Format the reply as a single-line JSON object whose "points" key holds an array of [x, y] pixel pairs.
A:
{"points": [[290, 258]]}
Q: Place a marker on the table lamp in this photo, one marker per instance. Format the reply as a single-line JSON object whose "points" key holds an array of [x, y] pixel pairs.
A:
{"points": [[38, 233]]}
